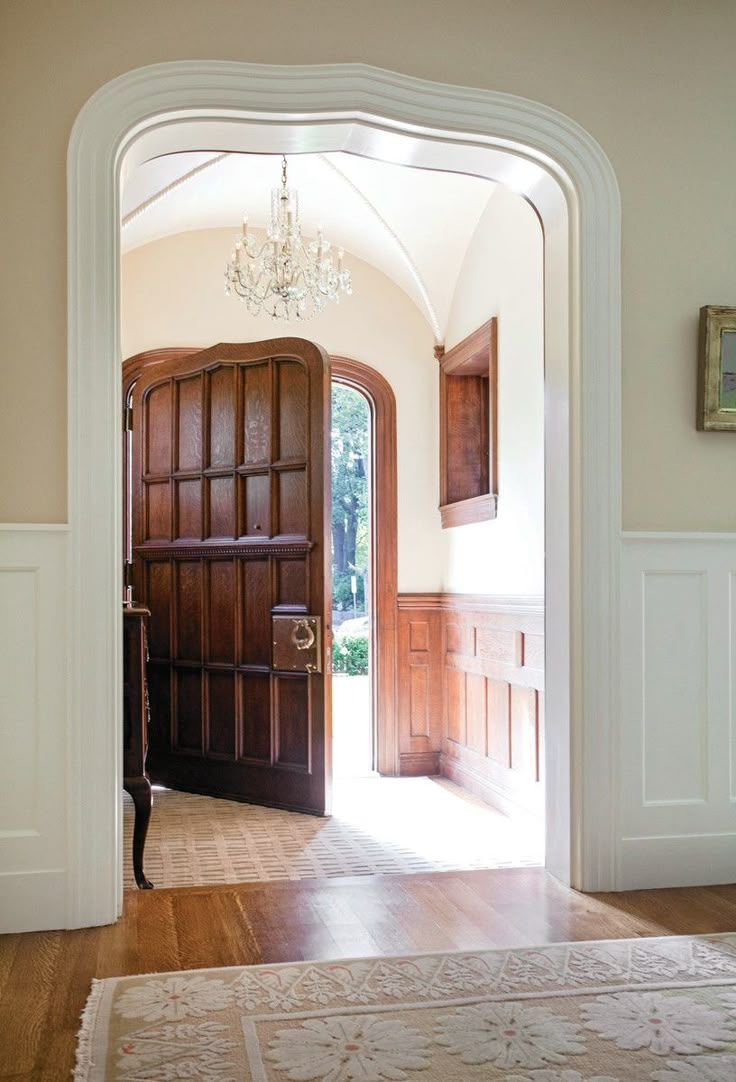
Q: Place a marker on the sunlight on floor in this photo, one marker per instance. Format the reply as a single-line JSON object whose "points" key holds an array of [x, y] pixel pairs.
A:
{"points": [[437, 821]]}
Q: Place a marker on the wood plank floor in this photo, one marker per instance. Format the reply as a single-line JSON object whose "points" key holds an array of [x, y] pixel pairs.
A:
{"points": [[45, 977]]}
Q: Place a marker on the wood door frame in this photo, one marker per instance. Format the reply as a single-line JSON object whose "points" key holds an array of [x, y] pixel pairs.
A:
{"points": [[384, 552], [384, 531]]}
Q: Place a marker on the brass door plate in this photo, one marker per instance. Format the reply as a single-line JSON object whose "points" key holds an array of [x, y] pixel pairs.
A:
{"points": [[297, 643]]}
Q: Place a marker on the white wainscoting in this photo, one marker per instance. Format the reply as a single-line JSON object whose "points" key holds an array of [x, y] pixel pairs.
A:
{"points": [[678, 725], [33, 727]]}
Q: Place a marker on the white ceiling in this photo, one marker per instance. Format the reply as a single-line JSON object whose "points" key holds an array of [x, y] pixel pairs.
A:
{"points": [[415, 225]]}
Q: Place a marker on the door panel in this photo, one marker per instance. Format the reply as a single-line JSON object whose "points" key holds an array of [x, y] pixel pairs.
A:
{"points": [[230, 498]]}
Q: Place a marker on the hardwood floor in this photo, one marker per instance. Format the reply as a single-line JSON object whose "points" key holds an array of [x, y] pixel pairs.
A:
{"points": [[45, 976]]}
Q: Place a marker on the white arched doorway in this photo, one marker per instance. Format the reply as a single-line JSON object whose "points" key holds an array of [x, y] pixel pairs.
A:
{"points": [[535, 151]]}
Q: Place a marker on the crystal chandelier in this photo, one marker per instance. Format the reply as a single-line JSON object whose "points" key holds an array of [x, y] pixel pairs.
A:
{"points": [[286, 277]]}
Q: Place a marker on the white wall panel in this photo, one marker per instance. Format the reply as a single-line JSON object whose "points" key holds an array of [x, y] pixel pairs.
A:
{"points": [[33, 825], [731, 685], [674, 670], [678, 726]]}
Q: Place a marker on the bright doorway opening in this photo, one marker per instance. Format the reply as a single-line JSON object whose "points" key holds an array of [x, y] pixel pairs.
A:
{"points": [[353, 729]]}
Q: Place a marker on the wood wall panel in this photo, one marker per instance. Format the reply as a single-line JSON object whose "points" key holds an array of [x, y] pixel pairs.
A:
{"points": [[188, 504], [158, 511], [419, 705], [220, 639], [455, 705], [221, 705], [291, 717], [256, 505], [188, 610], [221, 507], [476, 708], [158, 423], [189, 423], [292, 379], [292, 502], [188, 728], [158, 591], [256, 613], [481, 662], [256, 415], [255, 712], [498, 721], [419, 696], [291, 585], [222, 421]]}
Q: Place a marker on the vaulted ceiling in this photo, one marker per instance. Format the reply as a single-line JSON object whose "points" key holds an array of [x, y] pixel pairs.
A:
{"points": [[415, 225]]}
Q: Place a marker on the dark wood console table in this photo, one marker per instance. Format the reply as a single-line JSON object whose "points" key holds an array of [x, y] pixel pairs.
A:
{"points": [[135, 730]]}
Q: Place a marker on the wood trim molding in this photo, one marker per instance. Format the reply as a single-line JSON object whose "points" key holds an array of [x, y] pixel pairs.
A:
{"points": [[133, 366], [476, 509], [472, 353], [519, 605], [384, 544]]}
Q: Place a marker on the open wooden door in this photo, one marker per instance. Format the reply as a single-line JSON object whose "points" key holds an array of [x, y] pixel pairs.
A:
{"points": [[230, 504]]}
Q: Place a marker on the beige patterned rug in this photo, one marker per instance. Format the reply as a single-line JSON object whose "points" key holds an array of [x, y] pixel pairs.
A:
{"points": [[380, 826], [643, 1010]]}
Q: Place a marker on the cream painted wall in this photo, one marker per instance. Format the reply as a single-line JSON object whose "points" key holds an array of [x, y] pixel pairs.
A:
{"points": [[653, 83], [502, 276], [173, 295]]}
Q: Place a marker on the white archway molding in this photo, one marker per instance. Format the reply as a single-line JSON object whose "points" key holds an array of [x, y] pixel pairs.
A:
{"points": [[533, 149]]}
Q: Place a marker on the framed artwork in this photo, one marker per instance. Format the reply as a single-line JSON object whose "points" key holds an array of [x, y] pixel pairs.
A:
{"points": [[717, 369]]}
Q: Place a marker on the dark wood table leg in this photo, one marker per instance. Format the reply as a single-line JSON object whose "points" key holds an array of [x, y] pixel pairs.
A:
{"points": [[140, 790]]}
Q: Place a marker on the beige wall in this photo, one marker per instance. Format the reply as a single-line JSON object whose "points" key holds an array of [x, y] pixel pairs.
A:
{"points": [[652, 82], [173, 295], [502, 276]]}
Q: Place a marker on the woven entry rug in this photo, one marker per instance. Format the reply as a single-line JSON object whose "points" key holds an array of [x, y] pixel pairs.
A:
{"points": [[660, 1010], [381, 826]]}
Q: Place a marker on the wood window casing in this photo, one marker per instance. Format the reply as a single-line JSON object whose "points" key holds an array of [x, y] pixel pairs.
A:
{"points": [[468, 429]]}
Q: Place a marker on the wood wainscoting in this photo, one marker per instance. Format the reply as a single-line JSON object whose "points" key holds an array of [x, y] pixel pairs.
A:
{"points": [[471, 694]]}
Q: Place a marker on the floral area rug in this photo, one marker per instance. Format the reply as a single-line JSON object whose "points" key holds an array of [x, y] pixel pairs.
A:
{"points": [[660, 1010]]}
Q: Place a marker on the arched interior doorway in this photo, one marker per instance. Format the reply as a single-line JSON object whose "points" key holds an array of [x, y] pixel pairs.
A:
{"points": [[568, 179]]}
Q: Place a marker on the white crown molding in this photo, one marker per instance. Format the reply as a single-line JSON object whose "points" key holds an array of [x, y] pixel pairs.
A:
{"points": [[154, 102]]}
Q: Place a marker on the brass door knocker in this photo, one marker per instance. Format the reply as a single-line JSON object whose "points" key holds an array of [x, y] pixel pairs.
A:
{"points": [[302, 641]]}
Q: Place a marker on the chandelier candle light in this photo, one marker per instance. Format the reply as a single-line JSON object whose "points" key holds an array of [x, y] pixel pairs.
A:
{"points": [[287, 278]]}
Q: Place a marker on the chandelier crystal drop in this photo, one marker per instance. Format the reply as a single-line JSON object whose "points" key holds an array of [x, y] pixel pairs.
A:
{"points": [[286, 277]]}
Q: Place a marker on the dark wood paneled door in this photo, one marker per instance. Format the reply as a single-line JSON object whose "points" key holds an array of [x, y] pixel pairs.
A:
{"points": [[230, 505]]}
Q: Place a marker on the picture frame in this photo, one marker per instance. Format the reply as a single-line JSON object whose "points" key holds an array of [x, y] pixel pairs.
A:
{"points": [[717, 369]]}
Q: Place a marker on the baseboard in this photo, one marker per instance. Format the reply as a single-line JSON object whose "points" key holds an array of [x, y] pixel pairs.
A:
{"points": [[480, 786], [687, 860], [414, 764], [29, 901]]}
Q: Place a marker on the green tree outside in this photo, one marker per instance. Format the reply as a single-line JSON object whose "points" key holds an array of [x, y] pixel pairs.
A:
{"points": [[350, 496]]}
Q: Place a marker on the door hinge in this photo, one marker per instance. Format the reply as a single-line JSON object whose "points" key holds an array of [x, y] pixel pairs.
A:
{"points": [[127, 575], [128, 419]]}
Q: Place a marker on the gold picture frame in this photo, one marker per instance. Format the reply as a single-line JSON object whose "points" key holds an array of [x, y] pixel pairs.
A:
{"points": [[717, 369]]}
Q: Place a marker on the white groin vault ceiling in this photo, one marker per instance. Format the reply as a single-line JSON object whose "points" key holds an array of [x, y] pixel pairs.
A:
{"points": [[414, 225]]}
